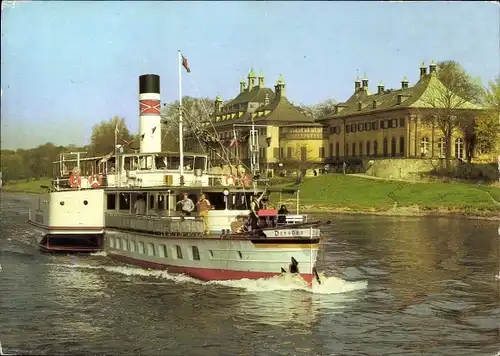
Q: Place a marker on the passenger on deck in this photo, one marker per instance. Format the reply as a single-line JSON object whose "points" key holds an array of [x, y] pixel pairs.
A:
{"points": [[255, 206], [204, 206], [187, 205], [281, 214], [140, 205]]}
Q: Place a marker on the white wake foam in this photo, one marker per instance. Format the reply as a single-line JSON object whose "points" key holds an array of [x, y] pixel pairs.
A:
{"points": [[99, 253], [287, 282]]}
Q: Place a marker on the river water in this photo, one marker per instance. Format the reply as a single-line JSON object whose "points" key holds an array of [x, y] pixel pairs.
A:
{"points": [[394, 286]]}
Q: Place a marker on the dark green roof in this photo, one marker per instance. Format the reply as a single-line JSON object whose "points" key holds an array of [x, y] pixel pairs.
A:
{"points": [[417, 96], [256, 94]]}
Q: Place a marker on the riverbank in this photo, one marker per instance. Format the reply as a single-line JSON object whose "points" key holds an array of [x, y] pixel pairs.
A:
{"points": [[27, 186], [339, 193]]}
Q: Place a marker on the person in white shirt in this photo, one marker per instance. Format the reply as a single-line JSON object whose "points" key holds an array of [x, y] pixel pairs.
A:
{"points": [[140, 206], [187, 205]]}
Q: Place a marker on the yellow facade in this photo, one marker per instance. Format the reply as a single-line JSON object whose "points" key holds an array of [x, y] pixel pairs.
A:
{"points": [[392, 123]]}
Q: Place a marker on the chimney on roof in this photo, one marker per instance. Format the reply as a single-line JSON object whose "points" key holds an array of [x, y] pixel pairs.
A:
{"points": [[279, 88], [242, 85], [218, 103], [365, 83], [251, 79], [423, 70], [404, 83], [380, 88], [261, 80], [357, 84], [266, 99], [432, 67]]}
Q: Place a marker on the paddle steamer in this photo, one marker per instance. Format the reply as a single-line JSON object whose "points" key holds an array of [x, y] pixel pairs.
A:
{"points": [[94, 205]]}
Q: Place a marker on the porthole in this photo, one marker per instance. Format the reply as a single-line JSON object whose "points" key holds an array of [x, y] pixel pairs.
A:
{"points": [[85, 202], [61, 202]]}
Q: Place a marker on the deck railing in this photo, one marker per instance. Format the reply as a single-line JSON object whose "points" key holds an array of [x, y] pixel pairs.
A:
{"points": [[160, 225]]}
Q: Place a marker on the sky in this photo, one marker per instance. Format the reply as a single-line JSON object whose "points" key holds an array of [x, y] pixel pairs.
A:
{"points": [[66, 66]]}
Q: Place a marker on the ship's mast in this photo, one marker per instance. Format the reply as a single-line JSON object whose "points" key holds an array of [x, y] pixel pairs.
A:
{"points": [[181, 141]]}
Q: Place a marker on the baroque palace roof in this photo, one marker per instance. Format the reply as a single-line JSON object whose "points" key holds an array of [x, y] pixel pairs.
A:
{"points": [[260, 104], [427, 93]]}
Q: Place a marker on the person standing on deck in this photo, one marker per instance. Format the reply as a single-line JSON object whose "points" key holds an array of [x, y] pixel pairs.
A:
{"points": [[255, 206], [187, 205], [140, 206], [204, 206]]}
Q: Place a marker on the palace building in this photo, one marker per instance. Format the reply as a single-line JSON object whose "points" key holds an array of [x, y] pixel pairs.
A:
{"points": [[286, 136], [395, 123]]}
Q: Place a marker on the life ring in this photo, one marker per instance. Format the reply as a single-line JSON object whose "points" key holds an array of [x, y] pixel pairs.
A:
{"points": [[74, 180], [230, 179], [95, 181], [247, 180]]}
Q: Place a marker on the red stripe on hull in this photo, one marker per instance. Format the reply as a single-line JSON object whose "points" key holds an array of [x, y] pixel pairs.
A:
{"points": [[206, 274]]}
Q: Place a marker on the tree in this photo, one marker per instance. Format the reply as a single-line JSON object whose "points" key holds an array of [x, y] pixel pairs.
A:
{"points": [[318, 110], [449, 104], [196, 113], [103, 136], [487, 126]]}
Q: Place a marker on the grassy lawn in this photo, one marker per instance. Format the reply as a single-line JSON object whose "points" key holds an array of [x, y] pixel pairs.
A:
{"points": [[27, 186], [344, 191]]}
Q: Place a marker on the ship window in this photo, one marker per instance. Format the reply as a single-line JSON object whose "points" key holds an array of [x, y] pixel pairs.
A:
{"points": [[239, 254], [124, 244], [111, 202], [162, 251], [211, 253], [62, 203], [179, 251], [85, 202], [196, 253], [151, 249], [132, 246], [141, 247]]}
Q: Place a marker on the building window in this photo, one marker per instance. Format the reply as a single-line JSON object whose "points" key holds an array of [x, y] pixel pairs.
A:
{"points": [[289, 152], [162, 251], [385, 147], [276, 152], [375, 125], [360, 148], [151, 249], [141, 247], [354, 148], [442, 147], [331, 150], [346, 149], [353, 128], [196, 253], [459, 148], [424, 146], [282, 153], [132, 246], [367, 126], [124, 244], [382, 124], [394, 123], [368, 148], [402, 146], [112, 242], [303, 154], [361, 127], [402, 122], [393, 147], [337, 149], [321, 152], [347, 129], [179, 252], [375, 148]]}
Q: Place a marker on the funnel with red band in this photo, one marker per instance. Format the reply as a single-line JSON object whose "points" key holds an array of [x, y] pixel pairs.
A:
{"points": [[149, 113]]}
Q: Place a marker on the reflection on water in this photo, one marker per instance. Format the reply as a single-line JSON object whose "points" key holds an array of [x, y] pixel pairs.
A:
{"points": [[391, 286]]}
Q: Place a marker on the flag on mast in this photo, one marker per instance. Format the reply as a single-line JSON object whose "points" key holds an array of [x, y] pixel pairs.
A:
{"points": [[185, 64]]}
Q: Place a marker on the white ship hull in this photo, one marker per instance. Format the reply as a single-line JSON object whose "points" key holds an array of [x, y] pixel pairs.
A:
{"points": [[215, 258]]}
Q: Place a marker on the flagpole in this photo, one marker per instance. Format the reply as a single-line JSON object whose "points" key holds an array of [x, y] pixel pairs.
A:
{"points": [[181, 138]]}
